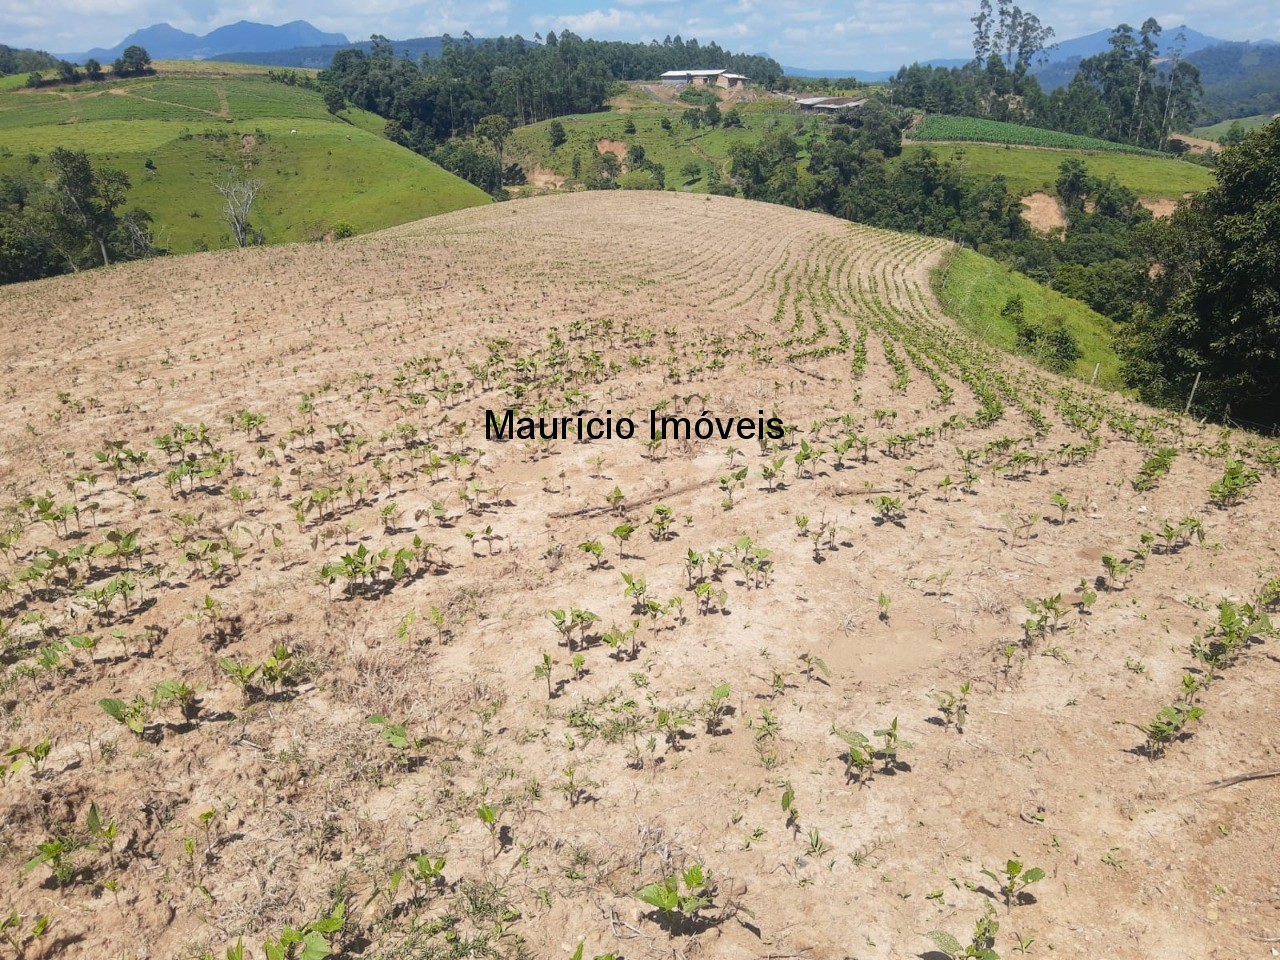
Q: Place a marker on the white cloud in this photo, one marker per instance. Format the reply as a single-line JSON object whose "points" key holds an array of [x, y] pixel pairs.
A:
{"points": [[608, 24]]}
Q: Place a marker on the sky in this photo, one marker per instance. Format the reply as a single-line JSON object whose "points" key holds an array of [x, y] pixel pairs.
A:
{"points": [[850, 34]]}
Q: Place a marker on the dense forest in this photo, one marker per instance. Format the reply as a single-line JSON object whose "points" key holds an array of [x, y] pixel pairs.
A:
{"points": [[1209, 307], [1240, 80], [439, 97], [24, 61], [67, 218]]}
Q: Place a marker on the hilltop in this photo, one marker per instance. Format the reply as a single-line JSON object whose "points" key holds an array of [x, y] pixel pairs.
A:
{"points": [[172, 132], [696, 158], [291, 649]]}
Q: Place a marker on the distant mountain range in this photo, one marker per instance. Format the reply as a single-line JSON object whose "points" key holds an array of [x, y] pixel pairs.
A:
{"points": [[1058, 69], [1064, 61], [164, 42], [320, 57]]}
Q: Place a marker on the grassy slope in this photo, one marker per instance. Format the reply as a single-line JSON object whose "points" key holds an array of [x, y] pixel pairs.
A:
{"points": [[530, 145], [329, 170], [1031, 170], [1028, 170], [943, 128], [1216, 130], [973, 289]]}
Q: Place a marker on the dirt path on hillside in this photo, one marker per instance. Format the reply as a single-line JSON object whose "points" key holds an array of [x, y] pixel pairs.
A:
{"points": [[120, 92]]}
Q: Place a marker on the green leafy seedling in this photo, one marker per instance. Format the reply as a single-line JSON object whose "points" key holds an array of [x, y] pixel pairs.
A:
{"points": [[1013, 880], [981, 945], [133, 714], [678, 898], [859, 756]]}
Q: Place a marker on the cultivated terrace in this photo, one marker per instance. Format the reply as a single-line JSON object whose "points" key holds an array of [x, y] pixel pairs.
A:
{"points": [[295, 661]]}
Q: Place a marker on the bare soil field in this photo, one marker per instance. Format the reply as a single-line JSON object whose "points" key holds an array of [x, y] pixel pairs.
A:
{"points": [[1043, 212], [294, 655], [1160, 208], [616, 147], [1196, 144]]}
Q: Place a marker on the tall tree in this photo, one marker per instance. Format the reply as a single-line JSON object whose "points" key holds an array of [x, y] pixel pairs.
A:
{"points": [[982, 21], [133, 60], [495, 129], [238, 194], [86, 200], [1212, 303]]}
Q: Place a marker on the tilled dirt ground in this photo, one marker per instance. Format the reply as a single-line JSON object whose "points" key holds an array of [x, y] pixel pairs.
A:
{"points": [[880, 556]]}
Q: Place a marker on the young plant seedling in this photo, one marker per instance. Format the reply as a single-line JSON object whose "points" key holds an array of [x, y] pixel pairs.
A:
{"points": [[859, 756], [1063, 505], [310, 942], [893, 745], [101, 833], [1168, 726], [981, 945], [133, 714], [16, 756], [1088, 596], [716, 708], [542, 671], [594, 549], [241, 674], [11, 930], [175, 693], [396, 734], [1014, 880], [57, 855], [1234, 483], [888, 510], [1118, 571], [489, 817], [678, 898], [954, 707], [427, 872], [812, 662], [621, 534]]}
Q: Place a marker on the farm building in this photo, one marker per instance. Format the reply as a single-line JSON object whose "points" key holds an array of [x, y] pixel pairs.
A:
{"points": [[830, 104], [702, 78]]}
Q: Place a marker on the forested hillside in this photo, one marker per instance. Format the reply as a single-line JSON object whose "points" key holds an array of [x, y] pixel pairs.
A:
{"points": [[24, 61], [1240, 79], [525, 82], [485, 88], [1124, 95]]}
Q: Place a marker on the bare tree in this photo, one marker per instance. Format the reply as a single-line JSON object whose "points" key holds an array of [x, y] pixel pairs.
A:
{"points": [[238, 193], [138, 236]]}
